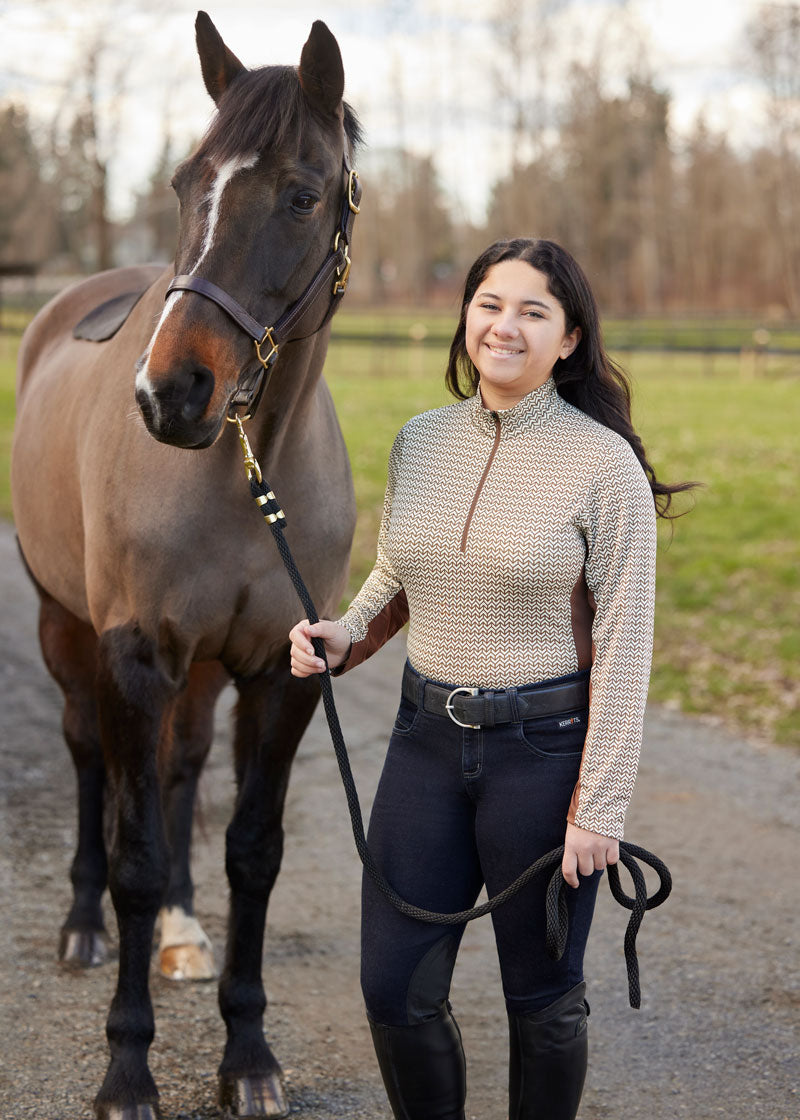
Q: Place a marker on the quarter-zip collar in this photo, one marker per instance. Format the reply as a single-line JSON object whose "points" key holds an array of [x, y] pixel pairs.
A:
{"points": [[535, 409]]}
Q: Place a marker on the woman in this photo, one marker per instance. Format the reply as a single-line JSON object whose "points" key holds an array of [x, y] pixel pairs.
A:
{"points": [[518, 539]]}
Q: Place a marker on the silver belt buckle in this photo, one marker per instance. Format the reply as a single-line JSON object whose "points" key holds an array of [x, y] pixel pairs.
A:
{"points": [[449, 705]]}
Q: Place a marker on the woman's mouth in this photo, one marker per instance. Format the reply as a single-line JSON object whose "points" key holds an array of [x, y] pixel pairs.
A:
{"points": [[502, 351]]}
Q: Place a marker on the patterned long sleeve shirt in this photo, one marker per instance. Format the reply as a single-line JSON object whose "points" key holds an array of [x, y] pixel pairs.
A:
{"points": [[520, 546]]}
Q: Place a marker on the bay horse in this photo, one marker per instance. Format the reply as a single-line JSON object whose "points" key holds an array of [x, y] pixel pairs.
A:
{"points": [[156, 580]]}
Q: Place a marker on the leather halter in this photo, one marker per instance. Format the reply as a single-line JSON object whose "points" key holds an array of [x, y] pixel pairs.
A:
{"points": [[335, 267]]}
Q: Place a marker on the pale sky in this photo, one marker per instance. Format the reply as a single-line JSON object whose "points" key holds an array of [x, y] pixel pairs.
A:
{"points": [[420, 73]]}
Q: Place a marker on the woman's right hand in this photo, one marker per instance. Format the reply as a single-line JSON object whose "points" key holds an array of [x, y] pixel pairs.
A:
{"points": [[304, 660]]}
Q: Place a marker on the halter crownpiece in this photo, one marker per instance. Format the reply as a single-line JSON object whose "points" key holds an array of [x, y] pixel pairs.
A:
{"points": [[335, 267]]}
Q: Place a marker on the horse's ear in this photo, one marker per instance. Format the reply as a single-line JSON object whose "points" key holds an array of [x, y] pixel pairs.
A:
{"points": [[321, 71], [219, 65]]}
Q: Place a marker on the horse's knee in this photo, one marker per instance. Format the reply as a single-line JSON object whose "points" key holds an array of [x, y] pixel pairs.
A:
{"points": [[253, 853], [132, 685]]}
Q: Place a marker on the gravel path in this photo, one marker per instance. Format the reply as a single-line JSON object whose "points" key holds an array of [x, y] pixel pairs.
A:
{"points": [[718, 1034]]}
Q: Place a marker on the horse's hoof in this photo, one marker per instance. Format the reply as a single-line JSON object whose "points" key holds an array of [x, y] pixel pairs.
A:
{"points": [[187, 962], [253, 1096], [105, 1111], [82, 948]]}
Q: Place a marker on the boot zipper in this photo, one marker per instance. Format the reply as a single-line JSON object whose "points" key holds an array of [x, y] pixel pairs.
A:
{"points": [[486, 470]]}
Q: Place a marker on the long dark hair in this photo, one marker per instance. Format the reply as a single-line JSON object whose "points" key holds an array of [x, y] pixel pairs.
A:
{"points": [[587, 378]]}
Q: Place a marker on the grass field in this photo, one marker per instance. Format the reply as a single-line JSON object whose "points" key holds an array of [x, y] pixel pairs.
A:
{"points": [[727, 639]]}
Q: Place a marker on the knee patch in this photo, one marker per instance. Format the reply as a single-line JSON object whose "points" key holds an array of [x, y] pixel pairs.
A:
{"points": [[430, 981], [561, 1021]]}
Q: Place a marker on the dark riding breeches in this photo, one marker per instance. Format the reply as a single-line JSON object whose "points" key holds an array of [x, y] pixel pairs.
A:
{"points": [[458, 807]]}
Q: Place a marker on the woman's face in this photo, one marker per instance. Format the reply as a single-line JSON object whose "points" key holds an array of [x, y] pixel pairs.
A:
{"points": [[516, 332]]}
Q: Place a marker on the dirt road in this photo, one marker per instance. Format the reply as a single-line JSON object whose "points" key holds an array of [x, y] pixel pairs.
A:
{"points": [[718, 1034]]}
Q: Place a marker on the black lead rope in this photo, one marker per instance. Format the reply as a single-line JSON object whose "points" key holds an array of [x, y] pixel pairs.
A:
{"points": [[556, 902]]}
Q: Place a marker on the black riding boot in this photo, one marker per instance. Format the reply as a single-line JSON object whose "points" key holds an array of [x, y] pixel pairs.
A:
{"points": [[423, 1068], [547, 1063]]}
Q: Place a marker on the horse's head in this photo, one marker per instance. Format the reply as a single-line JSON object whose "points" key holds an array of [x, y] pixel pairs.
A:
{"points": [[260, 203]]}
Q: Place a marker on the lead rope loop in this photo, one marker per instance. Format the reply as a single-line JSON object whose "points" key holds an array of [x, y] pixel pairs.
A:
{"points": [[556, 900]]}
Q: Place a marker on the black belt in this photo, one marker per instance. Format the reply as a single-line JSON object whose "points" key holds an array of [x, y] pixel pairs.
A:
{"points": [[486, 707]]}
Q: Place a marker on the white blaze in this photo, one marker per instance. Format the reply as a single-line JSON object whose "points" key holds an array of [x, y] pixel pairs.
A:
{"points": [[213, 199]]}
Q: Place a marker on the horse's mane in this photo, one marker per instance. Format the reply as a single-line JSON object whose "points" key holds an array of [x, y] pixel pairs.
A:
{"points": [[261, 108]]}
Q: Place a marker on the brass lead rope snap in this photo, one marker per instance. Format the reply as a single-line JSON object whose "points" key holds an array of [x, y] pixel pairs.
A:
{"points": [[250, 461]]}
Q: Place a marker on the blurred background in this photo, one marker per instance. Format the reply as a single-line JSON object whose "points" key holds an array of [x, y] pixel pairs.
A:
{"points": [[658, 140]]}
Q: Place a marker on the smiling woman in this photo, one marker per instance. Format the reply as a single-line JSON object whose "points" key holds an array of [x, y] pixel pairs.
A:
{"points": [[516, 331], [518, 540]]}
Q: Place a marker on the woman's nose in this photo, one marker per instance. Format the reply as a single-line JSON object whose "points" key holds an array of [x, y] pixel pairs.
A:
{"points": [[505, 326]]}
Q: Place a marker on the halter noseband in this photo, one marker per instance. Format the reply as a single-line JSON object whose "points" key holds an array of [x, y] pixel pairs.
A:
{"points": [[335, 267]]}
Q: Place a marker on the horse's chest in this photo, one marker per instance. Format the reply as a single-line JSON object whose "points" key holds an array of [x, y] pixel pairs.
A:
{"points": [[264, 604]]}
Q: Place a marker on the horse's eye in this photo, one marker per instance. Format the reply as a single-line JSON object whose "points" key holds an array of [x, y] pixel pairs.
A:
{"points": [[304, 202]]}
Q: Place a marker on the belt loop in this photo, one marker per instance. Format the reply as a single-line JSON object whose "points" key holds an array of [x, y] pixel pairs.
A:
{"points": [[421, 682], [513, 707]]}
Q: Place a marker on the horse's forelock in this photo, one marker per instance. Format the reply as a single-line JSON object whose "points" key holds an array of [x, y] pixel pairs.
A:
{"points": [[261, 109], [352, 126]]}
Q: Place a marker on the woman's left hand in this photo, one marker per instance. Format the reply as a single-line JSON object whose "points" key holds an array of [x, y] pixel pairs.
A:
{"points": [[586, 852]]}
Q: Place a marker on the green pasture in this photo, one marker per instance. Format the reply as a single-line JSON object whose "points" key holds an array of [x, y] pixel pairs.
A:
{"points": [[727, 640]]}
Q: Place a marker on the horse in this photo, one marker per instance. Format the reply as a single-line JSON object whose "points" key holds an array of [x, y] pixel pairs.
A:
{"points": [[156, 581]]}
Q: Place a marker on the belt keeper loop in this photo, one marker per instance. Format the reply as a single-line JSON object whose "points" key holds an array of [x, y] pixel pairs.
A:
{"points": [[487, 719], [513, 706]]}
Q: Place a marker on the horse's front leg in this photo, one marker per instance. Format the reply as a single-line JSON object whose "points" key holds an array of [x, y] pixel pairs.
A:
{"points": [[185, 952], [133, 696], [272, 714], [69, 650]]}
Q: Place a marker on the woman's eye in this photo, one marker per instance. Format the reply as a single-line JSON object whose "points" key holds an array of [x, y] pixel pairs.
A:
{"points": [[304, 202]]}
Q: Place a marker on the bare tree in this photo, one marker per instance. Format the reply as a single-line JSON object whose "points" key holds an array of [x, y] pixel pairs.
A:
{"points": [[27, 228], [404, 243], [774, 37], [525, 35]]}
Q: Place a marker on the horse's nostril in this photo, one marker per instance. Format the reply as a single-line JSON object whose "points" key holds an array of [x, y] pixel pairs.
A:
{"points": [[199, 394], [145, 406]]}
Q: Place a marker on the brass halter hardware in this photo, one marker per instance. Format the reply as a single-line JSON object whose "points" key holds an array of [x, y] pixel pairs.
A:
{"points": [[351, 184], [272, 355], [250, 461], [342, 274]]}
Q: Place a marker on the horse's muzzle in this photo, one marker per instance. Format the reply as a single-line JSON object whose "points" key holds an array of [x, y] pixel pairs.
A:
{"points": [[176, 412]]}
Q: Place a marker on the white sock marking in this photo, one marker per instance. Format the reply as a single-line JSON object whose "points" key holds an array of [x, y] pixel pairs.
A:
{"points": [[178, 928]]}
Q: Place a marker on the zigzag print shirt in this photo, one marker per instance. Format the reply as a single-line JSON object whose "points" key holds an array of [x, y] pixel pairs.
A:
{"points": [[520, 545]]}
